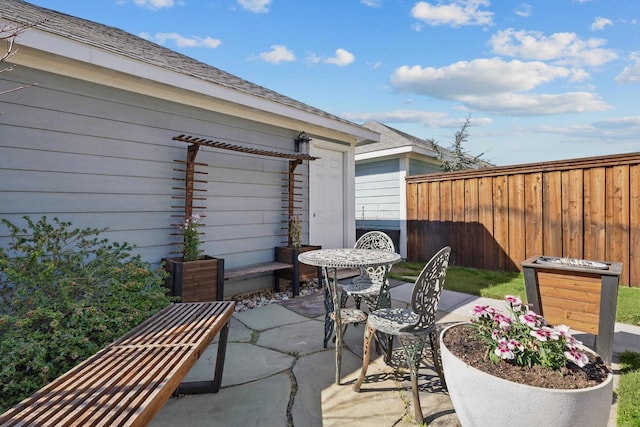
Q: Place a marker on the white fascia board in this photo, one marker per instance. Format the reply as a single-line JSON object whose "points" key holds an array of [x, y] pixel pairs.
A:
{"points": [[384, 153], [138, 69], [406, 149]]}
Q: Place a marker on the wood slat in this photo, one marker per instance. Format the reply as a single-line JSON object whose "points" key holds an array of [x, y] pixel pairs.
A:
{"points": [[533, 214], [552, 236], [487, 254], [578, 321], [634, 224], [472, 231], [516, 218], [264, 267]]}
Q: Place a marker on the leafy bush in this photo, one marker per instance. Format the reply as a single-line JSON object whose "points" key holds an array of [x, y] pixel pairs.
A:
{"points": [[64, 294]]}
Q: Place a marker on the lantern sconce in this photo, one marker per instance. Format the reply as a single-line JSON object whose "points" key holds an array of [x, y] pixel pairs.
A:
{"points": [[302, 143]]}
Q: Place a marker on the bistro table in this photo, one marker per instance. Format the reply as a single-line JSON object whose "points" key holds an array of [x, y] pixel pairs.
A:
{"points": [[335, 259]]}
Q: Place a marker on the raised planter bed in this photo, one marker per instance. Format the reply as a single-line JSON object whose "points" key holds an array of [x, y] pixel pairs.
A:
{"points": [[579, 293], [195, 281], [289, 255]]}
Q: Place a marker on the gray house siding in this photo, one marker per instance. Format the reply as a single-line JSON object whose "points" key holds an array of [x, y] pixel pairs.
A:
{"points": [[419, 167], [378, 195], [102, 157]]}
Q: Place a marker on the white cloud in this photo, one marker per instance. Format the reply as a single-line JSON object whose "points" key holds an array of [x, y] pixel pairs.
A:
{"points": [[454, 13], [630, 73], [605, 131], [256, 6], [513, 104], [562, 48], [278, 54], [371, 3], [480, 77], [313, 58], [621, 123], [343, 57], [154, 4], [523, 10], [182, 41], [498, 86], [600, 23]]}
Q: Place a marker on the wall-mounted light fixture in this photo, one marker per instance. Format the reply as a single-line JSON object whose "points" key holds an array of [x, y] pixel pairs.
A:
{"points": [[302, 143]]}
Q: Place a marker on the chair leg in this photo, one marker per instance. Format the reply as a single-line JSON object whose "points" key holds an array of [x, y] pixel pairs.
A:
{"points": [[413, 351], [328, 323], [369, 333]]}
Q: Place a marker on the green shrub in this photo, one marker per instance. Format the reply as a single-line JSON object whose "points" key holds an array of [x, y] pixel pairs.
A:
{"points": [[64, 294]]}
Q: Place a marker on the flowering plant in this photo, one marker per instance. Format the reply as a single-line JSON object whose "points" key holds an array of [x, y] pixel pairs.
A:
{"points": [[191, 238], [295, 229], [524, 337]]}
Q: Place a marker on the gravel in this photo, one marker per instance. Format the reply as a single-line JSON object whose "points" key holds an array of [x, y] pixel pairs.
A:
{"points": [[263, 297]]}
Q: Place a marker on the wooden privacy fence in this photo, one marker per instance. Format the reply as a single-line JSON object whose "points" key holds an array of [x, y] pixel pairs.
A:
{"points": [[494, 218]]}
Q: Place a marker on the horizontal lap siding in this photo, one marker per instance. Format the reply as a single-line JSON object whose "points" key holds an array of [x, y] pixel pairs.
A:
{"points": [[495, 218], [99, 157], [377, 191]]}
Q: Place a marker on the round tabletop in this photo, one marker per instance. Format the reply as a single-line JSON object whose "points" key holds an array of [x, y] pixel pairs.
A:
{"points": [[348, 258]]}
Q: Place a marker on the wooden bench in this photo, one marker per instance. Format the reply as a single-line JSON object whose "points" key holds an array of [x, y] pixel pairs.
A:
{"points": [[264, 267], [127, 382]]}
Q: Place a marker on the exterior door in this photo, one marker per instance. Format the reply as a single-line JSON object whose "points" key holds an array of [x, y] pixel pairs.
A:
{"points": [[326, 198]]}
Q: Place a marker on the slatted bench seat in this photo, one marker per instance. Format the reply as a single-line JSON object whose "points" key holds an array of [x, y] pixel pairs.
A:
{"points": [[127, 382], [264, 267]]}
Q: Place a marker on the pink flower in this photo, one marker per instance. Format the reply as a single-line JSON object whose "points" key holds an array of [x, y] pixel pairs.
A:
{"points": [[576, 356], [543, 334], [480, 310], [503, 351], [563, 331], [516, 345], [513, 300], [503, 321], [530, 319]]}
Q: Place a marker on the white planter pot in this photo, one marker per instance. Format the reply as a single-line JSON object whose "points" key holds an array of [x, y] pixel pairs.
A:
{"points": [[481, 399]]}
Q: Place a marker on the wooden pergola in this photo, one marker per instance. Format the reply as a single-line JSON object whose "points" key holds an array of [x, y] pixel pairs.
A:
{"points": [[190, 180]]}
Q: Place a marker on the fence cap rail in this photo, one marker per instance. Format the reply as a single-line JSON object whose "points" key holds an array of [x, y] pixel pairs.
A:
{"points": [[550, 166]]}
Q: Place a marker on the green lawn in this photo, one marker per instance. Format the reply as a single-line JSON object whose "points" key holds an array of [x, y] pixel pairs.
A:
{"points": [[498, 284], [629, 390]]}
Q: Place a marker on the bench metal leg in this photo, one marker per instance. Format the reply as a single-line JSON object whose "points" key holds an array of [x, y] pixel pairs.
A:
{"points": [[200, 387]]}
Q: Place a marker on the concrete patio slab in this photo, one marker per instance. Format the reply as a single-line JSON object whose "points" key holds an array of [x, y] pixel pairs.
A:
{"points": [[299, 339], [259, 403], [245, 362], [268, 316]]}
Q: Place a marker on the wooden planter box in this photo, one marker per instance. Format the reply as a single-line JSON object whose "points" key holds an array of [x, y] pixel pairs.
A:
{"points": [[195, 281], [290, 256], [579, 293]]}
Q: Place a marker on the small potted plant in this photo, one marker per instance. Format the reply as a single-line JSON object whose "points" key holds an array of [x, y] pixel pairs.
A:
{"points": [[515, 363], [289, 254], [194, 277]]}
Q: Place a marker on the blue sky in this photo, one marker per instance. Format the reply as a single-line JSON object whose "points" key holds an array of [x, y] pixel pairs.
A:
{"points": [[540, 80]]}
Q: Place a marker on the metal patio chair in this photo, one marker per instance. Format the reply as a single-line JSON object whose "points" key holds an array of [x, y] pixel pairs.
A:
{"points": [[413, 326], [368, 285]]}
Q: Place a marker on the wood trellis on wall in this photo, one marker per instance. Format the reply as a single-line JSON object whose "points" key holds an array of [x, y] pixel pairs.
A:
{"points": [[289, 188], [494, 218]]}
